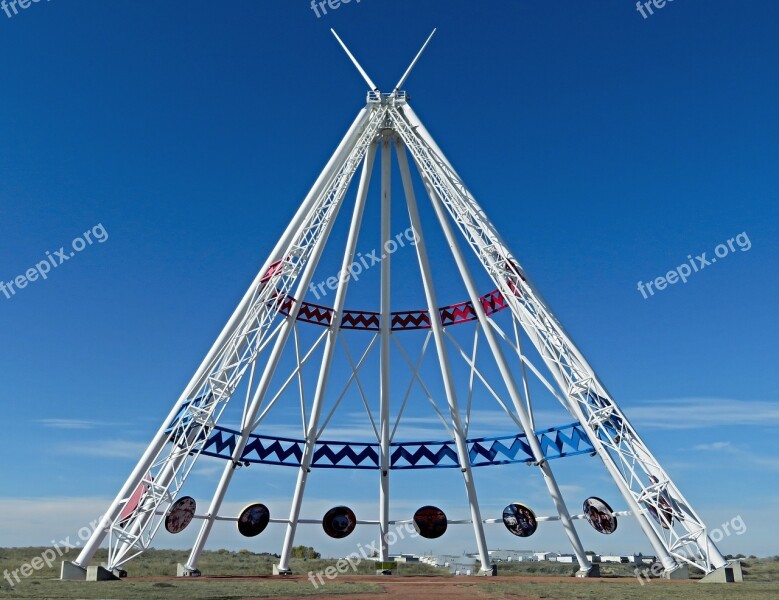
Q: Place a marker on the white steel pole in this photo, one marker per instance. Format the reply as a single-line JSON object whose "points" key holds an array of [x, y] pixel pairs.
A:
{"points": [[443, 359], [414, 62], [508, 379], [385, 332], [367, 79], [327, 359], [524, 374], [158, 442]]}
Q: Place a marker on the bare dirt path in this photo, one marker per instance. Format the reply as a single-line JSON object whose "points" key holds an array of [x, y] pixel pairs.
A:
{"points": [[436, 588]]}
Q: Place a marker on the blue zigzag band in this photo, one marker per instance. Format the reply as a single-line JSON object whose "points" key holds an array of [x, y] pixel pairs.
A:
{"points": [[556, 442]]}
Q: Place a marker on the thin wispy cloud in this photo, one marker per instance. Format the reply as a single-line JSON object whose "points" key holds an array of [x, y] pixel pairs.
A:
{"points": [[70, 423], [104, 448], [714, 446], [744, 457], [701, 413]]}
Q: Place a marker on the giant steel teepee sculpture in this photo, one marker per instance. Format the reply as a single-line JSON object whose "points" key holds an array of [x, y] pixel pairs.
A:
{"points": [[248, 352]]}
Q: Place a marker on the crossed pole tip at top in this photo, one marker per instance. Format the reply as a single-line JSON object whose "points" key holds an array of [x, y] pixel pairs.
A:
{"points": [[367, 79]]}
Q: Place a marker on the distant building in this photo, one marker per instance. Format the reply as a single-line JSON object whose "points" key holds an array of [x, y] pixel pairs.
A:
{"points": [[405, 558], [511, 555], [629, 559], [466, 562], [461, 565], [593, 558], [566, 558], [550, 556]]}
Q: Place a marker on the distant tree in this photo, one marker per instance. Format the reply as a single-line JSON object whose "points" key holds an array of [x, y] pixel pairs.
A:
{"points": [[305, 552], [739, 556]]}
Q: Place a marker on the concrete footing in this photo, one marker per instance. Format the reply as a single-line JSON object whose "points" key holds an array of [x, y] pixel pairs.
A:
{"points": [[385, 568], [119, 572], [282, 572], [593, 571], [185, 571], [730, 573], [682, 572], [72, 572], [98, 573], [490, 571]]}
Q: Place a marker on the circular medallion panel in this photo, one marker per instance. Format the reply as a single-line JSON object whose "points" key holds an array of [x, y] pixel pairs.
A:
{"points": [[430, 522], [599, 514], [339, 522], [520, 520], [253, 520], [180, 514]]}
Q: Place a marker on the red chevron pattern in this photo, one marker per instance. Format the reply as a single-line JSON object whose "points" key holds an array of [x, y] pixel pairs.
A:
{"points": [[286, 304], [272, 270], [415, 319], [309, 313], [493, 302], [316, 314], [360, 319], [462, 312], [457, 313]]}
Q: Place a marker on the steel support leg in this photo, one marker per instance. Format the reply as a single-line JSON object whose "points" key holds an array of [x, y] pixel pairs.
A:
{"points": [[385, 332], [327, 359], [443, 359]]}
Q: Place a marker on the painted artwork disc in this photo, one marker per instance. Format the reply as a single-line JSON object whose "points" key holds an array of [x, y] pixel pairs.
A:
{"points": [[520, 520], [253, 520], [180, 514], [339, 522], [430, 522]]}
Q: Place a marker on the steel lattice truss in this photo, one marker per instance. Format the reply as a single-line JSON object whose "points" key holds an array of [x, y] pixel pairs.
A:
{"points": [[273, 308]]}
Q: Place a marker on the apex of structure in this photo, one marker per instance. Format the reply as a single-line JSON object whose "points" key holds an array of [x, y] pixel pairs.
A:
{"points": [[374, 94], [395, 98]]}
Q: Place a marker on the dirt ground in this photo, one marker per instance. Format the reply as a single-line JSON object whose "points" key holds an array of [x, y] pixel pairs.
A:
{"points": [[433, 588]]}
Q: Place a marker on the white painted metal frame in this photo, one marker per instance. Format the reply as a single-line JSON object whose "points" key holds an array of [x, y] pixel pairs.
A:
{"points": [[634, 469], [385, 333], [256, 325]]}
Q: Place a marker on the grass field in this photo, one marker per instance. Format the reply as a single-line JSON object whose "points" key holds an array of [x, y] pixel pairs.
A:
{"points": [[235, 575]]}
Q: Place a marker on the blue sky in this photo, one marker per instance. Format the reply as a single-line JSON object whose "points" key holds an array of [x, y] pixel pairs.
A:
{"points": [[605, 146]]}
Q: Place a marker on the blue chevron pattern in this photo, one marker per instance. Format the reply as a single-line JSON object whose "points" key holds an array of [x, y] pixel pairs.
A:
{"points": [[556, 442]]}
